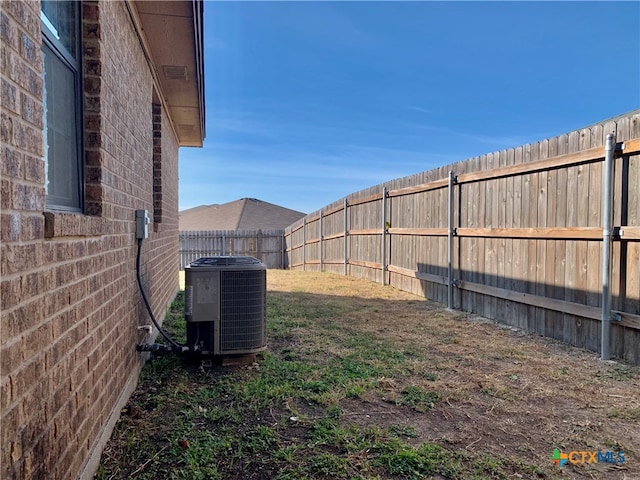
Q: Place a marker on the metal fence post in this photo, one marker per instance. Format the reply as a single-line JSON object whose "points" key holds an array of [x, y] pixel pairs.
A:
{"points": [[282, 248], [607, 227], [384, 236], [304, 243], [450, 231], [321, 235], [346, 233]]}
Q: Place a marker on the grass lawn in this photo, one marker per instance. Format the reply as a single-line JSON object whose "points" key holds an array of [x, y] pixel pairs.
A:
{"points": [[362, 381]]}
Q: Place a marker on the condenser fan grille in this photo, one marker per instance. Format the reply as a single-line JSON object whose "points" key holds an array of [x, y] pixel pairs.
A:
{"points": [[242, 308]]}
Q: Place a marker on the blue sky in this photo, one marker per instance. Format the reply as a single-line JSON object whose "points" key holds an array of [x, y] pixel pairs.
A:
{"points": [[307, 102]]}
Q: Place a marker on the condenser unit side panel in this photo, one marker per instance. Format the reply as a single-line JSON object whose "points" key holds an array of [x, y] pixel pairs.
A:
{"points": [[242, 310], [205, 292]]}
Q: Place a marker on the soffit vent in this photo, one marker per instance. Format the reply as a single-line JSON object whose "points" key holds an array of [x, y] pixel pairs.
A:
{"points": [[175, 72]]}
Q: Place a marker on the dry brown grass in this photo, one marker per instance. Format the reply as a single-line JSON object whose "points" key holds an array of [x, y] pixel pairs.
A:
{"points": [[503, 391]]}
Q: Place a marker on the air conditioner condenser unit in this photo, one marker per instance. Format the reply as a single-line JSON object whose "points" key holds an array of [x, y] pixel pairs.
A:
{"points": [[225, 305]]}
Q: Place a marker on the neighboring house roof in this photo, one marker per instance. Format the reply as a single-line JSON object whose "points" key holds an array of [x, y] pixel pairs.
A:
{"points": [[243, 214]]}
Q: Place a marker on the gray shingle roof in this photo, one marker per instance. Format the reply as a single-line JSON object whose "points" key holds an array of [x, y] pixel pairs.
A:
{"points": [[243, 214]]}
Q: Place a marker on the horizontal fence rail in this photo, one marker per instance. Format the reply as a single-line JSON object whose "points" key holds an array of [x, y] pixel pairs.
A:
{"points": [[266, 245], [516, 236]]}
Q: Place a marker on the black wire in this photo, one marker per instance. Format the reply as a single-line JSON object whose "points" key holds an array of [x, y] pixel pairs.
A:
{"points": [[146, 301]]}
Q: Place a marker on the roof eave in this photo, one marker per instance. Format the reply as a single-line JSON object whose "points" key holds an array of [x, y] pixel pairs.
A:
{"points": [[173, 34]]}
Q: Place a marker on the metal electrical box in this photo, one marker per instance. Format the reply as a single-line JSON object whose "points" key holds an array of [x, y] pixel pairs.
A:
{"points": [[225, 305], [142, 224]]}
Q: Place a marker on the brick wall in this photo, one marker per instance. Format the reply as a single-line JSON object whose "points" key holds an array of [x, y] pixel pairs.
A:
{"points": [[70, 303]]}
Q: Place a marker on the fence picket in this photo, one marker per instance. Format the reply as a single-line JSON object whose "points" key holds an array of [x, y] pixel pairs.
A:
{"points": [[266, 245]]}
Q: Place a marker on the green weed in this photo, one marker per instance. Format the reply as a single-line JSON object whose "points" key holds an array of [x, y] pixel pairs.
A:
{"points": [[418, 398], [632, 413], [403, 431], [417, 463], [432, 377]]}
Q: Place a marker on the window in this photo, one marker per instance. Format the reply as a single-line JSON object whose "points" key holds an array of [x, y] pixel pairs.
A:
{"points": [[60, 21]]}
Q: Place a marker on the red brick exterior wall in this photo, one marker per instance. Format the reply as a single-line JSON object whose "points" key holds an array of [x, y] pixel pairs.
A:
{"points": [[70, 303]]}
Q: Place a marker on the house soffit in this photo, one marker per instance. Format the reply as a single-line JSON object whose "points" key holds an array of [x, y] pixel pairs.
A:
{"points": [[172, 34]]}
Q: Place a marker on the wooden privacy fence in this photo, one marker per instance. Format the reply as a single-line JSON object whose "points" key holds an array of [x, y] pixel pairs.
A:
{"points": [[266, 245], [516, 236]]}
